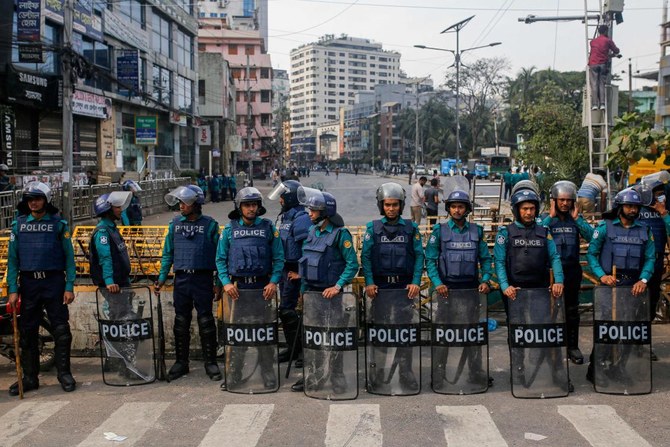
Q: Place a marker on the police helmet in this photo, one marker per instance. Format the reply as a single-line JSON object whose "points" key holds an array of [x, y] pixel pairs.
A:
{"points": [[526, 185], [320, 201], [390, 190], [131, 185], [287, 190], [186, 194], [522, 196], [656, 180], [105, 202], [458, 196], [646, 193], [246, 195], [37, 189], [628, 196], [563, 189], [4, 167]]}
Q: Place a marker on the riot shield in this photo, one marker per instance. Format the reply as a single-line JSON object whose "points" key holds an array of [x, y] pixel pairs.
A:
{"points": [[459, 342], [393, 348], [538, 345], [457, 182], [125, 322], [621, 341], [251, 343], [330, 346]]}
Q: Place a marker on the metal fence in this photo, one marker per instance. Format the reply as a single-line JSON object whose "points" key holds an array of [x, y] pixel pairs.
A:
{"points": [[152, 194]]}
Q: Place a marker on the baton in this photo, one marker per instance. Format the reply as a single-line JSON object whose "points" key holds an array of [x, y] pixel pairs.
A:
{"points": [[615, 351], [19, 369], [229, 348]]}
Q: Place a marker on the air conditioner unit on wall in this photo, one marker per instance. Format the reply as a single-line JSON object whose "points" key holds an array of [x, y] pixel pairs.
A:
{"points": [[613, 6]]}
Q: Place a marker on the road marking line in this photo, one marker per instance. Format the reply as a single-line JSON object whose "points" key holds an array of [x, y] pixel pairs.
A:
{"points": [[239, 425], [132, 419], [354, 425], [469, 425], [600, 425], [24, 418]]}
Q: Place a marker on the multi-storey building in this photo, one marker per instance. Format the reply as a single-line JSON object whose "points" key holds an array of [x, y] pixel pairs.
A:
{"points": [[326, 75], [238, 14], [132, 59], [251, 68]]}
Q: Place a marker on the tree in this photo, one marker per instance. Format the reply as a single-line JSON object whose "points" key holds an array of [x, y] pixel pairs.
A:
{"points": [[634, 138], [555, 140], [481, 86]]}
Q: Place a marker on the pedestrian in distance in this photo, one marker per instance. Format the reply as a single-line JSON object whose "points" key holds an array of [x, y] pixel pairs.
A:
{"points": [[566, 225], [41, 271], [190, 249], [417, 200], [432, 201], [392, 260], [507, 181]]}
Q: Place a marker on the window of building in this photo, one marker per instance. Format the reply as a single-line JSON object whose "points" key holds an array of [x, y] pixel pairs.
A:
{"points": [[202, 98], [249, 50], [266, 119], [236, 73], [162, 91], [232, 48], [184, 94], [98, 54], [183, 49], [186, 5], [265, 73], [133, 10], [161, 35], [266, 95]]}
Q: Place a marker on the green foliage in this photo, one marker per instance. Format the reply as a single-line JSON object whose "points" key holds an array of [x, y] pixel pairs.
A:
{"points": [[634, 138]]}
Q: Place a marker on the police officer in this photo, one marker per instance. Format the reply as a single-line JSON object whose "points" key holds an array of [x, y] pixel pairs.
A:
{"points": [[250, 256], [457, 257], [566, 224], [133, 214], [110, 265], [330, 248], [392, 258], [41, 269], [293, 231], [190, 247], [524, 252], [622, 241], [656, 217]]}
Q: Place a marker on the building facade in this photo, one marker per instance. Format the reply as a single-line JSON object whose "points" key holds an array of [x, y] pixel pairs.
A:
{"points": [[238, 14], [326, 76]]}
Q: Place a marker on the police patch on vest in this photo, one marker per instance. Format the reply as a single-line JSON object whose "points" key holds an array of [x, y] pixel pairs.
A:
{"points": [[386, 240], [622, 332], [126, 330], [36, 227], [528, 242], [562, 230], [459, 335], [330, 339], [537, 335], [250, 334], [243, 232], [394, 335]]}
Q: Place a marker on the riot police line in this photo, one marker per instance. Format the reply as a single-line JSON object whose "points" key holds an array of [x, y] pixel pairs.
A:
{"points": [[244, 266]]}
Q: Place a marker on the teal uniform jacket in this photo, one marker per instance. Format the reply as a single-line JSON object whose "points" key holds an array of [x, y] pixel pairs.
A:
{"points": [[433, 252], [224, 247], [596, 245], [104, 252], [500, 256], [13, 256], [368, 243], [585, 230], [346, 247], [168, 247]]}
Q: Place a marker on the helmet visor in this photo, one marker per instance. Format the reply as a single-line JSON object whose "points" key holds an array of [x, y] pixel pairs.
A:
{"points": [[276, 193], [645, 192], [181, 194], [120, 199], [311, 198]]}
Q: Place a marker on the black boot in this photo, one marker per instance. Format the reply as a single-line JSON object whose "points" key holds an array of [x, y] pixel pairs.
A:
{"points": [[574, 353], [182, 343], [62, 346], [30, 362], [408, 381], [291, 324], [207, 329]]}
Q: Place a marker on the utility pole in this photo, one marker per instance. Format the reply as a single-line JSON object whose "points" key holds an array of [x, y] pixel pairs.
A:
{"points": [[249, 147], [630, 86], [416, 128], [67, 112]]}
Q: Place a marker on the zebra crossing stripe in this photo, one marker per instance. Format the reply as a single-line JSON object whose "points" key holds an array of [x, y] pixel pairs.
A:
{"points": [[132, 419], [241, 425], [469, 425], [354, 425], [24, 418], [600, 425]]}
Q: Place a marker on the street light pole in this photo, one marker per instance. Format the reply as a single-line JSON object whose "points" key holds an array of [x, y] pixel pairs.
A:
{"points": [[456, 28]]}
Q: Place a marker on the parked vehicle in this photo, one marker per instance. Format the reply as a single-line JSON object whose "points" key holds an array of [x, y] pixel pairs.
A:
{"points": [[420, 170]]}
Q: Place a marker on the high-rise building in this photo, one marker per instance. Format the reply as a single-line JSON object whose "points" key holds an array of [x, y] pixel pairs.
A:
{"points": [[326, 75], [238, 14]]}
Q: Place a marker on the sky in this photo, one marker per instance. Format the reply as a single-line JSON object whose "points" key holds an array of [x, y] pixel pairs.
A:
{"points": [[401, 24]]}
